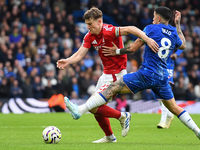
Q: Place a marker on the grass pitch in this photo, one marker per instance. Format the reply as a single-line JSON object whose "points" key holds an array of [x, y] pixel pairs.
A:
{"points": [[24, 132]]}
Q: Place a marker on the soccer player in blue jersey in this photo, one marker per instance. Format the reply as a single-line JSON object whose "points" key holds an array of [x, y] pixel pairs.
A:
{"points": [[152, 75]]}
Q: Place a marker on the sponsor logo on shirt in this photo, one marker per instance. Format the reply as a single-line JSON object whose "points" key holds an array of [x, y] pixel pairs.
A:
{"points": [[94, 42]]}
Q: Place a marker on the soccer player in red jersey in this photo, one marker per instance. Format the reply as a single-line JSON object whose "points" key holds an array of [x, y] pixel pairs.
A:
{"points": [[99, 35]]}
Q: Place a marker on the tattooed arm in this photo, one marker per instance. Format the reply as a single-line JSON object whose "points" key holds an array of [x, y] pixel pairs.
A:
{"points": [[178, 28], [131, 48]]}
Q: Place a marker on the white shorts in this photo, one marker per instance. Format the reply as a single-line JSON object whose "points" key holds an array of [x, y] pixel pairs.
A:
{"points": [[106, 79]]}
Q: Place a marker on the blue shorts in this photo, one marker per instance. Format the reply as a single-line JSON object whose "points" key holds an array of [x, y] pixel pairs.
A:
{"points": [[170, 79], [137, 82]]}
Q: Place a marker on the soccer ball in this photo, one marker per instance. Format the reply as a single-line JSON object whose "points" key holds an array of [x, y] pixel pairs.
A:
{"points": [[51, 134]]}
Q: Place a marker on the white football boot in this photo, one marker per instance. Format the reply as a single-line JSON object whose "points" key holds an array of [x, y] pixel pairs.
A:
{"points": [[73, 108], [166, 124], [125, 123], [161, 125], [169, 121], [106, 139]]}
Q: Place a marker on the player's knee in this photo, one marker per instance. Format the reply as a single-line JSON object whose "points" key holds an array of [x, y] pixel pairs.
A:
{"points": [[116, 87], [113, 85]]}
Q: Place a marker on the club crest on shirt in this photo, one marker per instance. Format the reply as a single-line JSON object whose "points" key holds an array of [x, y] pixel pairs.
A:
{"points": [[108, 28], [97, 47]]}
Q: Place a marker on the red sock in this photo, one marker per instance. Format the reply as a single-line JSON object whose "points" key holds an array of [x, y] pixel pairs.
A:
{"points": [[108, 112], [104, 123]]}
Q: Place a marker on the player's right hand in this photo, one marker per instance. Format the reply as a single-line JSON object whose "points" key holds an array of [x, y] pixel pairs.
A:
{"points": [[62, 63]]}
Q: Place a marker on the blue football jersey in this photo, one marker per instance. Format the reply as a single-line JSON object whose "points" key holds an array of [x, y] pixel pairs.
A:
{"points": [[167, 38]]}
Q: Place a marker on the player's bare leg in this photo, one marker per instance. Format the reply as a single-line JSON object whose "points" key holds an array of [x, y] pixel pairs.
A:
{"points": [[182, 115]]}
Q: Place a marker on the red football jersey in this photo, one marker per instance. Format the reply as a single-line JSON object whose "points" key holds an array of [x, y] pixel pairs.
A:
{"points": [[108, 34]]}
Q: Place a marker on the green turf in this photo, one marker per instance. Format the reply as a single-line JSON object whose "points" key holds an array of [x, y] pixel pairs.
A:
{"points": [[24, 132]]}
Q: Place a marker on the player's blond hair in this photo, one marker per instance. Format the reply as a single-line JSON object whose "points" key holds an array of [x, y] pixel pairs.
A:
{"points": [[93, 13]]}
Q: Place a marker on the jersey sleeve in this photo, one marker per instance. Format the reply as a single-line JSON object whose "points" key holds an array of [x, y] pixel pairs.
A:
{"points": [[112, 31], [147, 30], [178, 52], [86, 41]]}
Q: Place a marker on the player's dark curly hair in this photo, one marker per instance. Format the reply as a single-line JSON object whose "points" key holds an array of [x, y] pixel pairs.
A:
{"points": [[92, 13], [164, 12]]}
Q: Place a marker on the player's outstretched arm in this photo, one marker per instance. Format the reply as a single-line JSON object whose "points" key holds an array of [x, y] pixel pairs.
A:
{"points": [[139, 33], [177, 21], [76, 57], [112, 51]]}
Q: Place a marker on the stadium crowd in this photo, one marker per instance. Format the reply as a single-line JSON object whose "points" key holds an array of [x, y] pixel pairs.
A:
{"points": [[34, 34]]}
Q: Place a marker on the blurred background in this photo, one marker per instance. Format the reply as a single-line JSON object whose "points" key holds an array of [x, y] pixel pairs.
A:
{"points": [[34, 34]]}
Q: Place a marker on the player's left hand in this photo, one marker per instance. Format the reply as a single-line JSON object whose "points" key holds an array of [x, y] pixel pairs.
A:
{"points": [[173, 56], [109, 51], [62, 63], [153, 45], [177, 18]]}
